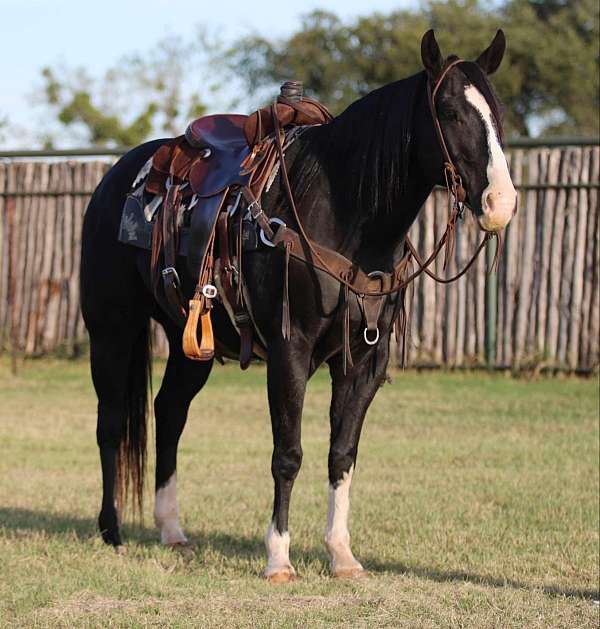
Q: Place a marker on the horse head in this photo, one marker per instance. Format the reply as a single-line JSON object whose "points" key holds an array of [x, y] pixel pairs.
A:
{"points": [[468, 118]]}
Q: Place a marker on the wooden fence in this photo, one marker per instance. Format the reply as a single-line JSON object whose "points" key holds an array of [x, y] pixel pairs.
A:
{"points": [[541, 308]]}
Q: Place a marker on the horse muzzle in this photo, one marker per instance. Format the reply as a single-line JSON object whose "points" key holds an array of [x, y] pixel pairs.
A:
{"points": [[498, 207]]}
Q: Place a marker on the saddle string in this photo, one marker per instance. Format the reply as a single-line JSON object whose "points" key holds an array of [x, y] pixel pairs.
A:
{"points": [[285, 308]]}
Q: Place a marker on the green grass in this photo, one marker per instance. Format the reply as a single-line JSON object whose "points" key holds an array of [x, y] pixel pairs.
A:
{"points": [[475, 504]]}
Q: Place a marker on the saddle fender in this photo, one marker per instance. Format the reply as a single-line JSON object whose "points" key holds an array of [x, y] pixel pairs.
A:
{"points": [[202, 227]]}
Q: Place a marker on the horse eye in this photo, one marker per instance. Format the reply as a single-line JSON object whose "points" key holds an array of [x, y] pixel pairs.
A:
{"points": [[449, 115]]}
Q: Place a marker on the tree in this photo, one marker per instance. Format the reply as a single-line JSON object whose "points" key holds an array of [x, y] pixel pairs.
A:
{"points": [[548, 81], [555, 52], [143, 94]]}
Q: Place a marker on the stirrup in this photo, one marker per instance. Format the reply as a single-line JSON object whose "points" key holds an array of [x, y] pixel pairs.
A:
{"points": [[206, 350]]}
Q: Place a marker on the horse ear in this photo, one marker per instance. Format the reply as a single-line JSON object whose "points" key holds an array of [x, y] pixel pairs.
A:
{"points": [[489, 60], [430, 54]]}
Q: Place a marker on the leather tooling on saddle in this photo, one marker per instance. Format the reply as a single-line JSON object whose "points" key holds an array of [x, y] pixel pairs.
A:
{"points": [[204, 188]]}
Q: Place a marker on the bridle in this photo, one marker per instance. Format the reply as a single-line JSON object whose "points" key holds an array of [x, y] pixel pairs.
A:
{"points": [[450, 171], [456, 196]]}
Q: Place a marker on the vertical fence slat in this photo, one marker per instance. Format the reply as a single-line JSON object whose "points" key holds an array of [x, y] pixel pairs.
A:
{"points": [[566, 276], [440, 217], [4, 264], [575, 308], [558, 225], [545, 219], [594, 316]]}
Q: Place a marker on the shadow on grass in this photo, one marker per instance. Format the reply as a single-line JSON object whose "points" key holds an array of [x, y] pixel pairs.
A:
{"points": [[62, 525], [441, 576], [236, 547]]}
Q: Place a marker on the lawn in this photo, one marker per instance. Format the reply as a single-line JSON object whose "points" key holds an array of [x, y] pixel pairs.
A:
{"points": [[475, 504]]}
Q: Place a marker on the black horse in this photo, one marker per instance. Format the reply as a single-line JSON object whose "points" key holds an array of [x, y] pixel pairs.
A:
{"points": [[359, 183]]}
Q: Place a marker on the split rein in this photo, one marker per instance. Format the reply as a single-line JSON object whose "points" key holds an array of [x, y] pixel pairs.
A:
{"points": [[456, 196]]}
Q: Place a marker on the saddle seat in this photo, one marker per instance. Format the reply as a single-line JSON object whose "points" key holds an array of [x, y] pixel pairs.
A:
{"points": [[223, 142], [218, 132]]}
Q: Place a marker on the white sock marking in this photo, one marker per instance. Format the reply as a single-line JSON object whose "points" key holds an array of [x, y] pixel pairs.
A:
{"points": [[166, 513], [278, 551], [500, 188], [337, 536]]}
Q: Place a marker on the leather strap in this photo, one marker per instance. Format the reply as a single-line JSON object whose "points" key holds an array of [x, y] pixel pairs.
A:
{"points": [[453, 179], [170, 279], [233, 296]]}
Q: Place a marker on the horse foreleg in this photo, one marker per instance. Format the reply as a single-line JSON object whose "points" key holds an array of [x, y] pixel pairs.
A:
{"points": [[287, 373], [182, 380], [351, 396]]}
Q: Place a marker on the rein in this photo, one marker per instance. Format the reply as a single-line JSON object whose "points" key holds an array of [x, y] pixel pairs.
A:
{"points": [[456, 196]]}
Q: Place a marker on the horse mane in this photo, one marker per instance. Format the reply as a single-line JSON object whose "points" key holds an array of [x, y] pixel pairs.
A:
{"points": [[365, 150]]}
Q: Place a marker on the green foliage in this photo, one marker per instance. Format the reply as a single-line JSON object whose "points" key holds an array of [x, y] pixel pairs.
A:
{"points": [[554, 52], [549, 78], [142, 95]]}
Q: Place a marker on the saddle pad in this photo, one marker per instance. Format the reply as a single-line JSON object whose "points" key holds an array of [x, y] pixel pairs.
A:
{"points": [[136, 230]]}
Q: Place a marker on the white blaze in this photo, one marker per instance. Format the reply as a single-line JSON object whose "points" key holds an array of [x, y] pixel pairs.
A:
{"points": [[498, 200], [337, 536], [278, 551], [166, 513]]}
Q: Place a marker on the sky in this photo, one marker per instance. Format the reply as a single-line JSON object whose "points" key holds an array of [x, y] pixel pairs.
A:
{"points": [[38, 33]]}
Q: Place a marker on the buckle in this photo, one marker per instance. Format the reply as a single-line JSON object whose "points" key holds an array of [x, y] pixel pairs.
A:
{"points": [[251, 206], [171, 273]]}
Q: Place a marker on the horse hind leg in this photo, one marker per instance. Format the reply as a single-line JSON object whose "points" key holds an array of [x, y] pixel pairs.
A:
{"points": [[352, 395], [183, 379], [119, 363]]}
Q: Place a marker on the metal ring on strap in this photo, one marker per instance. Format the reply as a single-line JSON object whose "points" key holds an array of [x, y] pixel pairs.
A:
{"points": [[264, 239], [369, 341], [209, 291]]}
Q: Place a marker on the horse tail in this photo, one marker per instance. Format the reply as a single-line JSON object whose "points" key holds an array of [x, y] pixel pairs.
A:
{"points": [[131, 456]]}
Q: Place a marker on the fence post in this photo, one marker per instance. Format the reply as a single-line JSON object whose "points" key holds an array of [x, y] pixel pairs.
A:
{"points": [[491, 303]]}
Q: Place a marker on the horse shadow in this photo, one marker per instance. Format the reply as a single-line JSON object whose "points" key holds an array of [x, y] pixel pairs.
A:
{"points": [[445, 576], [252, 548]]}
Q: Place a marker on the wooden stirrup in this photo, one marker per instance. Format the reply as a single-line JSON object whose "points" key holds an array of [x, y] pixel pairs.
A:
{"points": [[206, 349]]}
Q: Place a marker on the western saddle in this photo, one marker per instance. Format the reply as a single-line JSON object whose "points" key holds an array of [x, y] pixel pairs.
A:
{"points": [[219, 168]]}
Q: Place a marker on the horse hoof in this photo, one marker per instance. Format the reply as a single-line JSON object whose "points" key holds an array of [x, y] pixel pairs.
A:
{"points": [[185, 549], [281, 577], [120, 549], [350, 573], [111, 537]]}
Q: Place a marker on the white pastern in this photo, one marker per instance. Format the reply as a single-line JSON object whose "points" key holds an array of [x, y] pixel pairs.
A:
{"points": [[499, 199], [166, 513], [337, 536], [278, 552]]}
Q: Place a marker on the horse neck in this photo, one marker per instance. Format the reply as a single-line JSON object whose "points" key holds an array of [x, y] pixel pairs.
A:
{"points": [[373, 241]]}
